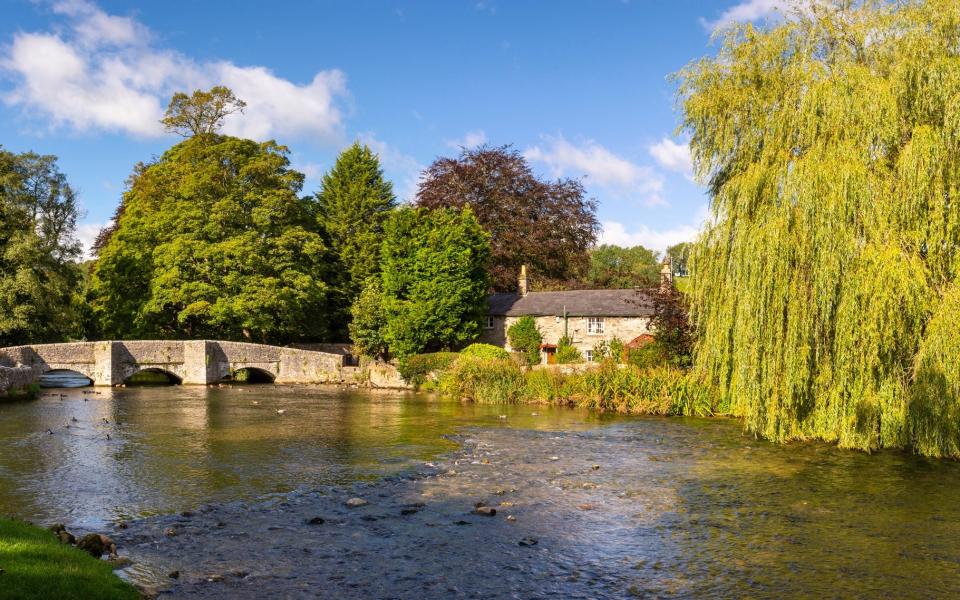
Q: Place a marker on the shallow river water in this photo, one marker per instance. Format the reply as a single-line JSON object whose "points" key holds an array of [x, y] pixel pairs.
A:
{"points": [[615, 506]]}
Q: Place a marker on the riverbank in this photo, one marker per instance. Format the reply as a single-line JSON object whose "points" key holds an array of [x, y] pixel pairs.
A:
{"points": [[34, 564], [631, 509]]}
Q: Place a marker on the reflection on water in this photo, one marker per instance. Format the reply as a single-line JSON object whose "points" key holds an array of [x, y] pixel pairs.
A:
{"points": [[683, 507], [64, 379], [121, 453]]}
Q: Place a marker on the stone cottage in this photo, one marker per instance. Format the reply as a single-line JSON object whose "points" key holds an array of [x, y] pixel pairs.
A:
{"points": [[586, 316]]}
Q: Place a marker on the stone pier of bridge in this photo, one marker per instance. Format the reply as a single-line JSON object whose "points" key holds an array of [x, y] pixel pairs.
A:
{"points": [[191, 361]]}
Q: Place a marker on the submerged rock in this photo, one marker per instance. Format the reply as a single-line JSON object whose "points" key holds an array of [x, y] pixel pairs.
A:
{"points": [[355, 502], [528, 541]]}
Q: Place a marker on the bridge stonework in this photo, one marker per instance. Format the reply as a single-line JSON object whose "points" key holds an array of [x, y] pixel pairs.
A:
{"points": [[192, 361]]}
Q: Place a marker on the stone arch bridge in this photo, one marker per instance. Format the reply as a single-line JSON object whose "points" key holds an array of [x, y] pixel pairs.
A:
{"points": [[190, 362]]}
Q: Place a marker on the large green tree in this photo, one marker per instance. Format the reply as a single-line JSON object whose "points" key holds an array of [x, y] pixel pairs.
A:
{"points": [[39, 275], [354, 202], [212, 240], [547, 225], [616, 267], [823, 290], [432, 286]]}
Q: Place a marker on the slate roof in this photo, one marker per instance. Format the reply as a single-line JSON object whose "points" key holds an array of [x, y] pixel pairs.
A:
{"points": [[578, 303]]}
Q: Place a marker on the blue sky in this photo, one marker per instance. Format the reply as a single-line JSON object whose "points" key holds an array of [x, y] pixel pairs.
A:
{"points": [[581, 88]]}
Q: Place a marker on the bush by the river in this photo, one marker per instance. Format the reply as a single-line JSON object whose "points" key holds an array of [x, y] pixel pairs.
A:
{"points": [[487, 351], [608, 386], [415, 369]]}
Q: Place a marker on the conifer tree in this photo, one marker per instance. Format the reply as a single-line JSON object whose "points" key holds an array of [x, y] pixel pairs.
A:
{"points": [[354, 202]]}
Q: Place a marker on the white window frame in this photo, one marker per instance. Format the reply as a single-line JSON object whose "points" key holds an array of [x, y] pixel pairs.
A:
{"points": [[489, 323], [589, 355], [595, 325]]}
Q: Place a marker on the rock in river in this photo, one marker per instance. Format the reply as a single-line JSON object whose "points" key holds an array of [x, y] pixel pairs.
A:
{"points": [[93, 544], [355, 502]]}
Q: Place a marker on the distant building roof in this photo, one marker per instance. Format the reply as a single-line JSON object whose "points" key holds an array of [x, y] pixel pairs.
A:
{"points": [[577, 303]]}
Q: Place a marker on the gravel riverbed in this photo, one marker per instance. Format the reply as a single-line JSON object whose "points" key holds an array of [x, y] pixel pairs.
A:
{"points": [[561, 525]]}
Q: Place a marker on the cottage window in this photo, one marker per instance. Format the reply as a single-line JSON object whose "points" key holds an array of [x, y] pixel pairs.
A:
{"points": [[594, 325], [488, 323], [589, 355]]}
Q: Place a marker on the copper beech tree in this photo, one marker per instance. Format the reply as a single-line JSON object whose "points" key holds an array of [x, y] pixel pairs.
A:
{"points": [[547, 225]]}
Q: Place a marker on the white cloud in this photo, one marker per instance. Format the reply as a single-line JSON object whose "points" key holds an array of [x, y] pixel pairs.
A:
{"points": [[614, 232], [600, 166], [471, 139], [405, 169], [748, 10], [102, 72], [673, 156], [87, 234]]}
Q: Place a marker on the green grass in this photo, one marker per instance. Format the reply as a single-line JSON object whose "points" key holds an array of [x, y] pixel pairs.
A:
{"points": [[37, 566]]}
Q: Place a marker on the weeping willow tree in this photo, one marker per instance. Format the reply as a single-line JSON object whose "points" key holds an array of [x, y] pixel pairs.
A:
{"points": [[825, 294]]}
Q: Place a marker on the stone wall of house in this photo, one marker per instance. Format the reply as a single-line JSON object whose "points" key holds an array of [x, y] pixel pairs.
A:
{"points": [[552, 329]]}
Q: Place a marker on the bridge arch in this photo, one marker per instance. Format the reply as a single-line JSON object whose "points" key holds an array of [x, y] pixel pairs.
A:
{"points": [[250, 375], [153, 376]]}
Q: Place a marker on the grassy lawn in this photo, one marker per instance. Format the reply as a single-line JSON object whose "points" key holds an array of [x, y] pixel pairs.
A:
{"points": [[35, 565]]}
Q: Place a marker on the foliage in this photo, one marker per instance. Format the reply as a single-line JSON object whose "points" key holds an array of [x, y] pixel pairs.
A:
{"points": [[934, 407], [567, 353], [524, 336], [616, 348], [39, 278], [353, 205], [600, 351], [37, 565], [606, 387], [368, 321], [830, 144], [615, 267], [416, 368], [433, 277], [201, 113], [213, 241], [657, 391], [680, 258], [648, 356], [487, 351], [546, 225], [671, 325], [483, 380]]}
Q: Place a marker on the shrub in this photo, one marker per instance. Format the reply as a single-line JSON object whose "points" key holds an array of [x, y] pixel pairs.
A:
{"points": [[488, 381], [600, 351], [415, 369], [525, 337], [550, 386], [648, 356], [368, 321], [486, 351], [567, 353], [617, 350], [656, 391]]}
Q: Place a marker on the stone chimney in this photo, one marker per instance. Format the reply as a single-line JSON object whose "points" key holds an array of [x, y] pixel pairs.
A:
{"points": [[666, 274], [522, 281]]}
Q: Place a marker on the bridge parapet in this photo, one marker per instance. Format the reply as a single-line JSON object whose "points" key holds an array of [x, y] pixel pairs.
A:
{"points": [[191, 361]]}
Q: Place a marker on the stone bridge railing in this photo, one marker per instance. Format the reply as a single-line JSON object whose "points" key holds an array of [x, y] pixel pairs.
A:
{"points": [[191, 362]]}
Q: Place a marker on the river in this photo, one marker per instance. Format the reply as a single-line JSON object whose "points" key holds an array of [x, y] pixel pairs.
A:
{"points": [[617, 506]]}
